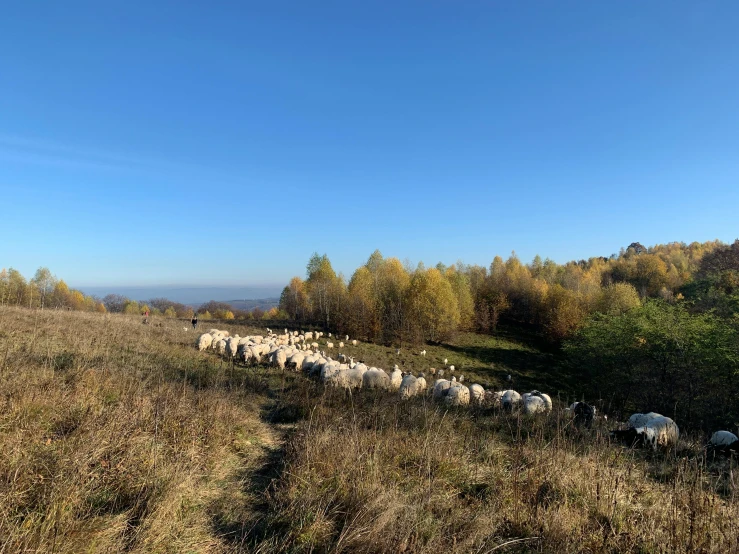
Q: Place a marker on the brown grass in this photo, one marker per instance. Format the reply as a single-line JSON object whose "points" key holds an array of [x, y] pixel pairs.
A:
{"points": [[117, 436]]}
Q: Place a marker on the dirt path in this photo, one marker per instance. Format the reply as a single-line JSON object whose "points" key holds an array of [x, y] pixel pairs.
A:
{"points": [[239, 513]]}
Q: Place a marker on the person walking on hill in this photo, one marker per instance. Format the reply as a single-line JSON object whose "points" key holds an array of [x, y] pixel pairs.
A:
{"points": [[195, 321], [146, 316]]}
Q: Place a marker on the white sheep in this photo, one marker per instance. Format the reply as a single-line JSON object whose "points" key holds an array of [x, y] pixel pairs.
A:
{"points": [[346, 337], [510, 399], [204, 341], [329, 345], [723, 442], [423, 352], [658, 432], [533, 404], [375, 379], [232, 346], [409, 387], [341, 345], [458, 395], [280, 359], [640, 420], [441, 388], [543, 405], [396, 378], [477, 394], [354, 342]]}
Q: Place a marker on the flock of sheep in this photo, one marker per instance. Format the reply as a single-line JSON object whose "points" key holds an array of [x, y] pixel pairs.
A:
{"points": [[300, 351]]}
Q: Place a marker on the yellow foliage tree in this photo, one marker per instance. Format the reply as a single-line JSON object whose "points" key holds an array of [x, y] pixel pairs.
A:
{"points": [[433, 311]]}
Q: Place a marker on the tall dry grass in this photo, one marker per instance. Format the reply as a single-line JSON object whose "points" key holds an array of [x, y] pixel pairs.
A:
{"points": [[121, 437], [369, 474], [117, 436]]}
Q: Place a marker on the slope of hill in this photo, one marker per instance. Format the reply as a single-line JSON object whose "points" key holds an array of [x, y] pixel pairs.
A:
{"points": [[248, 305], [117, 436]]}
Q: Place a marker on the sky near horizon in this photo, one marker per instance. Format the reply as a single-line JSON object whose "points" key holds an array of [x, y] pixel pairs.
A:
{"points": [[151, 143]]}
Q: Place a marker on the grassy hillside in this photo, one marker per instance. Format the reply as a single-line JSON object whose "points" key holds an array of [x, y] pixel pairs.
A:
{"points": [[117, 436]]}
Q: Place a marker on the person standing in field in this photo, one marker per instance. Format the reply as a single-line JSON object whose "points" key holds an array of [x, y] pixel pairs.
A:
{"points": [[146, 316], [195, 321]]}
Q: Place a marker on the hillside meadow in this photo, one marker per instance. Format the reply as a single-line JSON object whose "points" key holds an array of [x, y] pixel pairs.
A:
{"points": [[121, 437]]}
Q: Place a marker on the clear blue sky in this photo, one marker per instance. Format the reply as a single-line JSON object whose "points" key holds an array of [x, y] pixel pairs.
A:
{"points": [[222, 143]]}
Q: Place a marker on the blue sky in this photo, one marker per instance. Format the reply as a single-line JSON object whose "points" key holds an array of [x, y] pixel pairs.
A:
{"points": [[149, 143]]}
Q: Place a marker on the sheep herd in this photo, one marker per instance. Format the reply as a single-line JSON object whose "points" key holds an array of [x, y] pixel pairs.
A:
{"points": [[299, 351]]}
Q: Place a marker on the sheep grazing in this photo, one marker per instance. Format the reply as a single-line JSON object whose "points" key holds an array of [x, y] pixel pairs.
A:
{"points": [[640, 420], [451, 368], [582, 413], [354, 342], [441, 388], [204, 341], [477, 394], [458, 395], [375, 379], [409, 387], [396, 378], [346, 337], [545, 397], [423, 352], [534, 403], [723, 442], [510, 400], [280, 359], [341, 345], [296, 360], [232, 346], [422, 382], [446, 361], [660, 431], [329, 345], [493, 398], [397, 351]]}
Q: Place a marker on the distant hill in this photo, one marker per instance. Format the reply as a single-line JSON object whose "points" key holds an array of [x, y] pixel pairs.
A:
{"points": [[192, 295], [262, 303]]}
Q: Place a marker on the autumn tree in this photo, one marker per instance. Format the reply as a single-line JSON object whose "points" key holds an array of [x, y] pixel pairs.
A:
{"points": [[44, 281], [294, 300], [433, 311], [324, 288], [461, 287], [60, 295], [617, 299]]}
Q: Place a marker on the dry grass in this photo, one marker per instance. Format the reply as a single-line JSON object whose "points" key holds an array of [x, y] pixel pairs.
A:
{"points": [[116, 436], [374, 475]]}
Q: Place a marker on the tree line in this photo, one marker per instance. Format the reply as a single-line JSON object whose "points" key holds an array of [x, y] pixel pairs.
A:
{"points": [[387, 301], [650, 328]]}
